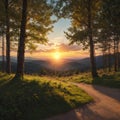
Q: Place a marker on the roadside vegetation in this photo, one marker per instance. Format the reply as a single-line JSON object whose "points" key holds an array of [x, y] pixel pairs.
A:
{"points": [[110, 79]]}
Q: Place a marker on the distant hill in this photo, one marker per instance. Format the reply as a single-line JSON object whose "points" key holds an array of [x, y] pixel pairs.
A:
{"points": [[66, 66]]}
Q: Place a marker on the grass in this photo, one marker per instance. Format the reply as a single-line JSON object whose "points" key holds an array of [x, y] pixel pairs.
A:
{"points": [[109, 79], [37, 98]]}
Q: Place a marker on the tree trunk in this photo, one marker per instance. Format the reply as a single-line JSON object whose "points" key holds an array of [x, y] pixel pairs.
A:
{"points": [[104, 61], [92, 54], [117, 54], [8, 63], [21, 46], [115, 57], [109, 58], [119, 61], [3, 56]]}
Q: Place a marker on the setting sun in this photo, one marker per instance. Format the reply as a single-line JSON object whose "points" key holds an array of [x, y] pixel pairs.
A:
{"points": [[57, 55]]}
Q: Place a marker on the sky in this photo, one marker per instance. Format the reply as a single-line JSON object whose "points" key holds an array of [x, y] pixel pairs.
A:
{"points": [[58, 44]]}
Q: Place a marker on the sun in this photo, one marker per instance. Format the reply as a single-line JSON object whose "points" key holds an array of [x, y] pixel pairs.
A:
{"points": [[57, 55]]}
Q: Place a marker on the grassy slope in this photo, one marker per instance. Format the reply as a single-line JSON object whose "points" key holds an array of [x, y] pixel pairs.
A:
{"points": [[36, 98], [109, 79]]}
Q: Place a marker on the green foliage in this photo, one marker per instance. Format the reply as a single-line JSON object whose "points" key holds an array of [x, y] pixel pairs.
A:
{"points": [[36, 98], [110, 79], [109, 24], [78, 78], [39, 22], [77, 11]]}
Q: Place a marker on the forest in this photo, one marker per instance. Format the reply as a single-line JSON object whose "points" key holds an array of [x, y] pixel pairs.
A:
{"points": [[41, 89]]}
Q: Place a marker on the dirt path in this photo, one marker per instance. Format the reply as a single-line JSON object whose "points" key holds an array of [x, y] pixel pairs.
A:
{"points": [[106, 105]]}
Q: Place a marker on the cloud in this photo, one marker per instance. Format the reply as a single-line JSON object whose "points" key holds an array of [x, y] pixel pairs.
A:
{"points": [[51, 47], [50, 44], [64, 47], [58, 38]]}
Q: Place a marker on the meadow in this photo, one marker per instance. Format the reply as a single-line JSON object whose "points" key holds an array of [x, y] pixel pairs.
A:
{"points": [[36, 98]]}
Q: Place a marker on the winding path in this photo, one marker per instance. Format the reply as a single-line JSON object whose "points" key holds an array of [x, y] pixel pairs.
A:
{"points": [[106, 105]]}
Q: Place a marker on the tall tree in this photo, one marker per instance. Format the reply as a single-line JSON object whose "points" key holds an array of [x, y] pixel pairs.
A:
{"points": [[2, 32], [91, 42], [36, 23], [3, 54], [21, 47], [8, 63], [109, 27], [83, 18]]}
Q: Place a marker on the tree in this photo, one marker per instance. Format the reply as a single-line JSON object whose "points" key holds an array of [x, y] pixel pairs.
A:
{"points": [[35, 24], [109, 27], [21, 47], [91, 42], [2, 32], [2, 48], [3, 54], [8, 63], [83, 18]]}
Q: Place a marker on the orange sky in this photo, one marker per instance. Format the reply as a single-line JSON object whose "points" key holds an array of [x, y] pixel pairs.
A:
{"points": [[57, 42]]}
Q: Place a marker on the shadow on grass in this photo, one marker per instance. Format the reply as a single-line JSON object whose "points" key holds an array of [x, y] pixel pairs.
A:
{"points": [[3, 78], [111, 81], [29, 100]]}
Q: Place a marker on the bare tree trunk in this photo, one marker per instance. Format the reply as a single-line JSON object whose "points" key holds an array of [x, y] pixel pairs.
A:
{"points": [[8, 63], [103, 58], [109, 58], [106, 55], [115, 57], [92, 50], [21, 47], [117, 54], [3, 56]]}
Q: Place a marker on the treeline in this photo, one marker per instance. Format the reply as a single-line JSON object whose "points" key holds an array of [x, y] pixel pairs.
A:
{"points": [[95, 25]]}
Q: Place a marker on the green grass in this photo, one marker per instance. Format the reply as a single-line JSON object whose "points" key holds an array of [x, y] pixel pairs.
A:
{"points": [[109, 79], [36, 98]]}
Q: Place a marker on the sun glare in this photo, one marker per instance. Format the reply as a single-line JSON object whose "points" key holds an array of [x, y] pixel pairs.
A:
{"points": [[57, 55]]}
